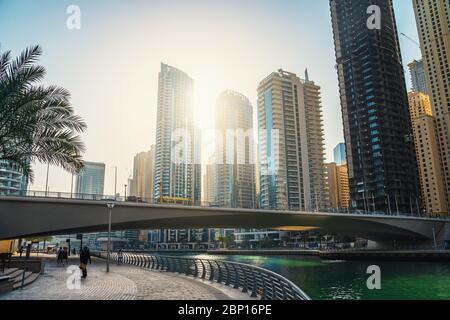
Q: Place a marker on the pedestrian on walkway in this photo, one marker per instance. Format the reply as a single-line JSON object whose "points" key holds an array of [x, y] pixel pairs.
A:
{"points": [[85, 257], [120, 257], [66, 257], [59, 256]]}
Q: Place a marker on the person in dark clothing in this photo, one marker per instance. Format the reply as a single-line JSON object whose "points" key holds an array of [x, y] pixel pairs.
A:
{"points": [[60, 256], [85, 257], [65, 257], [120, 257]]}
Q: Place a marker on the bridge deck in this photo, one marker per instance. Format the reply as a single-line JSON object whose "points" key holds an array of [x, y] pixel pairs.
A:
{"points": [[29, 217]]}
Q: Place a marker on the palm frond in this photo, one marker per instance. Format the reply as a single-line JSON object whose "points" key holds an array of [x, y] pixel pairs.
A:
{"points": [[28, 57], [5, 60], [37, 123]]}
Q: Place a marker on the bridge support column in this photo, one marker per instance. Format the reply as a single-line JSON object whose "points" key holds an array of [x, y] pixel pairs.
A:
{"points": [[444, 235], [380, 245], [401, 245]]}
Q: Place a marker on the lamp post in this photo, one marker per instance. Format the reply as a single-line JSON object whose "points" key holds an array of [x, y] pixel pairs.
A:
{"points": [[115, 183], [46, 180], [108, 254]]}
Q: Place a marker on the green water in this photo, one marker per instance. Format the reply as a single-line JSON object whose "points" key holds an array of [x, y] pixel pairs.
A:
{"points": [[323, 280]]}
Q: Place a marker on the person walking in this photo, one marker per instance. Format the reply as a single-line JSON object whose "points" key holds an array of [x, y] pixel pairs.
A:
{"points": [[59, 256], [85, 257], [66, 257], [120, 257]]}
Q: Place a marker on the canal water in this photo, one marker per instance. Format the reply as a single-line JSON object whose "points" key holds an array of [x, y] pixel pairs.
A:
{"points": [[336, 280]]}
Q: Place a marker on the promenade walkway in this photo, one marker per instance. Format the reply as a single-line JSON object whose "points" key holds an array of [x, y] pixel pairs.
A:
{"points": [[122, 283]]}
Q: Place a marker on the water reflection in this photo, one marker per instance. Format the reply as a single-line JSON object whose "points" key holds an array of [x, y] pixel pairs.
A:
{"points": [[340, 280]]}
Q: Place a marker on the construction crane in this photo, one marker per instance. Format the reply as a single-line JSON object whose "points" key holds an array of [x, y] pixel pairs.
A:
{"points": [[411, 39]]}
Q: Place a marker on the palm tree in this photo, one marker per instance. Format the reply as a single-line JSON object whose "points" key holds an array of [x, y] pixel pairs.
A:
{"points": [[37, 123]]}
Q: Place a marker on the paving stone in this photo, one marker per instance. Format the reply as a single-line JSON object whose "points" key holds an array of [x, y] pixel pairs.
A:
{"points": [[122, 283]]}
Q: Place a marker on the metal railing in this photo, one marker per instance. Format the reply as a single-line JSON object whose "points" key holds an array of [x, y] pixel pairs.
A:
{"points": [[132, 199], [258, 282], [440, 246]]}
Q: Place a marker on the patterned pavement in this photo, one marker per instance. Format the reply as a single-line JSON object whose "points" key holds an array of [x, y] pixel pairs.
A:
{"points": [[122, 283]]}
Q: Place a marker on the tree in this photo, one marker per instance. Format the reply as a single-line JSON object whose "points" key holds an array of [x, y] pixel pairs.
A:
{"points": [[245, 243], [227, 241], [222, 242], [40, 239], [37, 123], [267, 242]]}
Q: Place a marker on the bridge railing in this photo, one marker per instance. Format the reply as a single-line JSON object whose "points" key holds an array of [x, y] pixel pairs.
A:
{"points": [[440, 246], [258, 282], [185, 202]]}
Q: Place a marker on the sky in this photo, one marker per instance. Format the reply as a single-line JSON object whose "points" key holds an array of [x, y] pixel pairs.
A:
{"points": [[111, 64]]}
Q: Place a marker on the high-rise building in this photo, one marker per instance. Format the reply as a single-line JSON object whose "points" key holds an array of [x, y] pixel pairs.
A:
{"points": [[377, 128], [12, 181], [418, 78], [89, 184], [209, 182], [235, 169], [132, 237], [90, 181], [433, 21], [340, 155], [141, 186], [338, 186], [177, 174], [432, 181], [177, 177], [257, 176], [291, 143]]}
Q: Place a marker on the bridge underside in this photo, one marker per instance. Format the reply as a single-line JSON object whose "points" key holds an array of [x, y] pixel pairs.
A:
{"points": [[29, 217]]}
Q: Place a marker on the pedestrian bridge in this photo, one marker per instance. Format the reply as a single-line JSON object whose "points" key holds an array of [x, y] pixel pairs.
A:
{"points": [[29, 217]]}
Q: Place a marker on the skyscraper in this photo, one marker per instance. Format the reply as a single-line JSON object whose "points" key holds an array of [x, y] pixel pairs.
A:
{"points": [[176, 173], [433, 21], [12, 181], [432, 180], [291, 143], [235, 169], [177, 177], [340, 155], [418, 78], [338, 186], [143, 177], [91, 180], [377, 128], [209, 182]]}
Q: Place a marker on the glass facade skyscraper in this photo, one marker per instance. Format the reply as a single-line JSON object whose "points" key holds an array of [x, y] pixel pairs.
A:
{"points": [[340, 155], [177, 177], [12, 181], [418, 79], [235, 165], [177, 170], [377, 128], [90, 180]]}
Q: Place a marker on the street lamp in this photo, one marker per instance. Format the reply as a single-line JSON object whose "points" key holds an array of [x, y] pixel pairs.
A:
{"points": [[108, 254]]}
